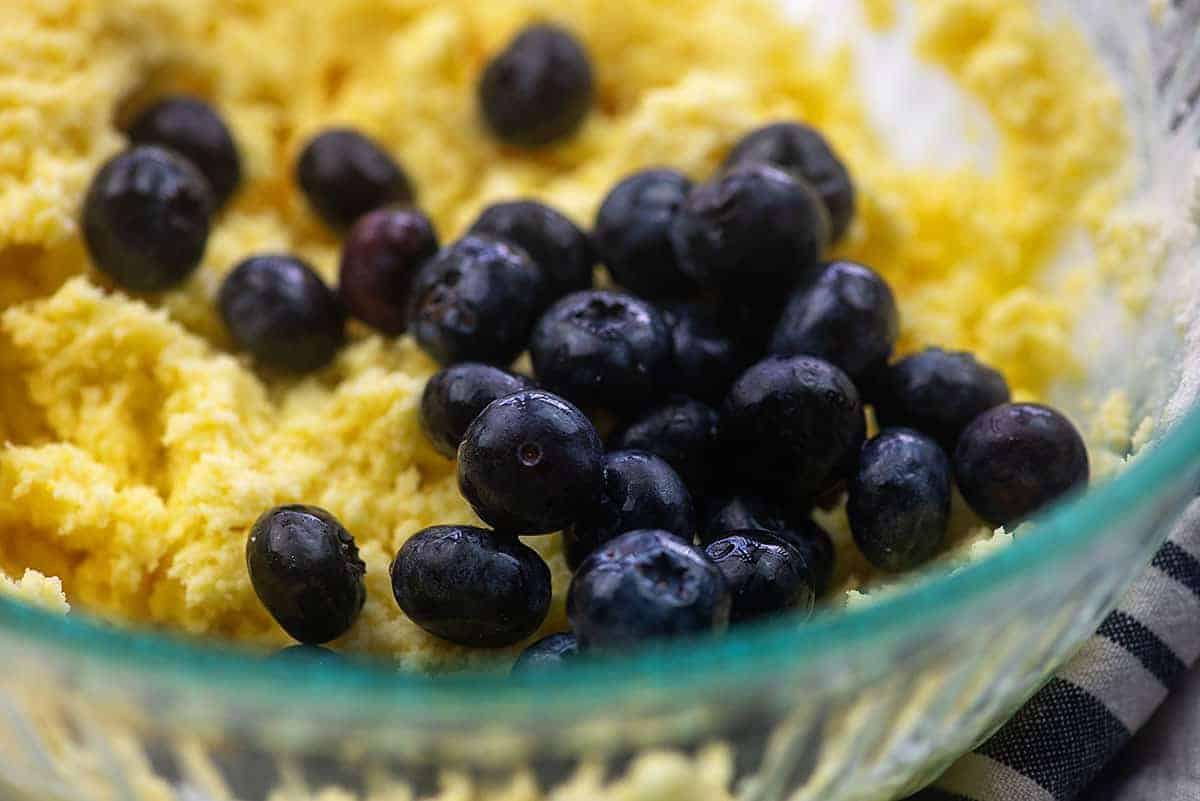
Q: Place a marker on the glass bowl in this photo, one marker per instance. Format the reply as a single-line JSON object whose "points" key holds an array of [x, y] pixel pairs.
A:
{"points": [[863, 704]]}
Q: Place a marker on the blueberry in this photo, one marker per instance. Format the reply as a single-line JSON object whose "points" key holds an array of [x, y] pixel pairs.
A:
{"points": [[305, 569], [749, 314], [556, 245], [705, 360], [684, 433], [194, 130], [531, 463], [765, 575], [750, 225], [730, 513], [801, 150], [899, 504], [602, 348], [344, 174], [788, 424], [938, 393], [641, 491], [281, 311], [454, 397], [476, 300], [146, 218], [552, 651], [643, 585], [846, 316], [739, 513], [470, 586], [632, 233], [380, 257], [538, 89], [1014, 459]]}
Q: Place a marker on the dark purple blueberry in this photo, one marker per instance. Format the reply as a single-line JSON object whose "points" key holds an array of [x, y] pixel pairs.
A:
{"points": [[846, 316], [1015, 459], [646, 585], [938, 393], [899, 506], [552, 651], [684, 433], [280, 310], [471, 586], [788, 425], [194, 130], [146, 219], [344, 174], [801, 150], [380, 257], [752, 225], [476, 300], [727, 514], [706, 360], [602, 349], [531, 463], [455, 396], [305, 569], [640, 491], [738, 513], [538, 89], [556, 245], [765, 575], [749, 314], [632, 233]]}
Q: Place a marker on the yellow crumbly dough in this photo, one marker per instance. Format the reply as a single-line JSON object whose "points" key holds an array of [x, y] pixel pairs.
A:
{"points": [[140, 449]]}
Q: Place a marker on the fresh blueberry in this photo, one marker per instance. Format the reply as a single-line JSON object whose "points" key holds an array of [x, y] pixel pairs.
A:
{"points": [[380, 256], [470, 586], [1015, 459], [706, 360], [194, 130], [632, 233], [789, 423], [644, 585], [556, 245], [846, 316], [899, 504], [816, 546], [765, 575], [454, 397], [801, 150], [749, 314], [476, 300], [305, 569], [552, 651], [531, 463], [753, 224], [344, 174], [146, 218], [538, 89], [938, 393], [730, 513], [641, 491], [281, 311], [602, 348], [739, 513], [684, 433]]}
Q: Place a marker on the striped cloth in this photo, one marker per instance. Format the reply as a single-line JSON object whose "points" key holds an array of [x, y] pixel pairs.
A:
{"points": [[1063, 736]]}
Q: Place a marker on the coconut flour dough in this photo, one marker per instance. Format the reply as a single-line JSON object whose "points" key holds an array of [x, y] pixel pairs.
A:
{"points": [[140, 447]]}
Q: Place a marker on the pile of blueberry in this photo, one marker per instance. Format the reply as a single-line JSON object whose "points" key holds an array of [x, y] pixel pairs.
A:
{"points": [[730, 374]]}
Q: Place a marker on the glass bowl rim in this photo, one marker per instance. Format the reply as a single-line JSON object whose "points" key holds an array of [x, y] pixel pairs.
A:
{"points": [[221, 670]]}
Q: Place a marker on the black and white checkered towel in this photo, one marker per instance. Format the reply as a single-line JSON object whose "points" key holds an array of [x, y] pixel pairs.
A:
{"points": [[1061, 739]]}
